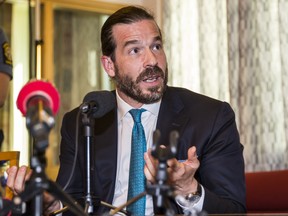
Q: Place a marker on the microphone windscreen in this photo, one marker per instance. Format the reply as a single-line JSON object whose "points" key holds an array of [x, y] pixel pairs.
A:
{"points": [[38, 88], [105, 101]]}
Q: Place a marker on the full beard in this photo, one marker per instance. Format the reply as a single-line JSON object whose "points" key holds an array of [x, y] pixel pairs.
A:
{"points": [[131, 88]]}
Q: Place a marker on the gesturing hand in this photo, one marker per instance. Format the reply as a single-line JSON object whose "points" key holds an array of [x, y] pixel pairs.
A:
{"points": [[181, 174]]}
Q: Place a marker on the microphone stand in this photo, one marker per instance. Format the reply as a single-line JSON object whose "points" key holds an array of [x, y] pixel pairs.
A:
{"points": [[161, 191], [88, 122], [39, 122], [90, 110]]}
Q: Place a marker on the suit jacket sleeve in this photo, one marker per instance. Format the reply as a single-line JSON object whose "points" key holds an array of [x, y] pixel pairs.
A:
{"points": [[222, 166], [67, 156]]}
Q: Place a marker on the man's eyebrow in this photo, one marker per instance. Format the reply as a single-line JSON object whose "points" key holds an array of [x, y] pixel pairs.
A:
{"points": [[158, 38], [127, 43], [131, 42]]}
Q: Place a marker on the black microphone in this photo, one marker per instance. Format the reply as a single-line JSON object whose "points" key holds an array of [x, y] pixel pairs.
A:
{"points": [[98, 103]]}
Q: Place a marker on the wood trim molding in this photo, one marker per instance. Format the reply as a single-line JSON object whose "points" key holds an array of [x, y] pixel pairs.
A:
{"points": [[48, 28], [87, 5]]}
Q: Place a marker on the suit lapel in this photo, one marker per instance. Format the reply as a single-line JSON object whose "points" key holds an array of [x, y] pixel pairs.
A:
{"points": [[171, 116]]}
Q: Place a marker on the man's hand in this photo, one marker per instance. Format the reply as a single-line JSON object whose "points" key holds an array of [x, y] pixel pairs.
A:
{"points": [[181, 174], [16, 182], [17, 178]]}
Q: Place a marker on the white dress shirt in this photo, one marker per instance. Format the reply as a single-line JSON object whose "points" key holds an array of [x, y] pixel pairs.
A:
{"points": [[125, 125]]}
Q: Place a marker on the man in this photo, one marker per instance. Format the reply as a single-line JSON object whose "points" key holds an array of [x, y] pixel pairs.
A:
{"points": [[209, 161], [5, 71]]}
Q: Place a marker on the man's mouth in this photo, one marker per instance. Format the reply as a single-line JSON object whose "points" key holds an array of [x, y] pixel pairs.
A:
{"points": [[151, 75], [151, 79]]}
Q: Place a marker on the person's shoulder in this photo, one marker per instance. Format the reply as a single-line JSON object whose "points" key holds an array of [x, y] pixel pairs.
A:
{"points": [[3, 37], [72, 112], [194, 102], [6, 63], [186, 94]]}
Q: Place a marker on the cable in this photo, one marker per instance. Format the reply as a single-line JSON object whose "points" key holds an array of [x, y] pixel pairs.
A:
{"points": [[76, 152]]}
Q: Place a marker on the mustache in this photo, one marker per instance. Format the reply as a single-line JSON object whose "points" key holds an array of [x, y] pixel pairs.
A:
{"points": [[151, 71]]}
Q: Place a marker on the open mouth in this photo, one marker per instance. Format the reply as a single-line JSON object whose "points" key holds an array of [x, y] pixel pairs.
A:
{"points": [[151, 79]]}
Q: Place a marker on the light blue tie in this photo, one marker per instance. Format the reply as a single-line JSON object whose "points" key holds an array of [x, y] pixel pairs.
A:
{"points": [[136, 174]]}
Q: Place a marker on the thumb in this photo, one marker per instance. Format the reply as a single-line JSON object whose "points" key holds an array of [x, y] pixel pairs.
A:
{"points": [[192, 159], [192, 154]]}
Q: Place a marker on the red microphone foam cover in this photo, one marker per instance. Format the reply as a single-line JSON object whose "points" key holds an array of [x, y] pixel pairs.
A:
{"points": [[38, 88]]}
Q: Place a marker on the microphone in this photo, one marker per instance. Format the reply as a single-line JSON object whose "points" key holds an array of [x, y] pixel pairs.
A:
{"points": [[38, 101], [36, 91], [98, 103], [95, 104]]}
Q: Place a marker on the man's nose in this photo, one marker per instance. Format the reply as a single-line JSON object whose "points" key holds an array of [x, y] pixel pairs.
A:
{"points": [[150, 58]]}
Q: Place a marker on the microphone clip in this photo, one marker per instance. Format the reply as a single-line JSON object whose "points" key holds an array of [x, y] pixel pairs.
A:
{"points": [[89, 108]]}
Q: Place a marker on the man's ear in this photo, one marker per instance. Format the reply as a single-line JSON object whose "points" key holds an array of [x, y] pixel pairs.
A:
{"points": [[108, 65]]}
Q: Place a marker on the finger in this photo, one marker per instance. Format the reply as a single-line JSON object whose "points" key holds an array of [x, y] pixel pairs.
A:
{"points": [[175, 171], [12, 173], [192, 160], [8, 170], [149, 175], [150, 163], [192, 154], [29, 174], [174, 164], [20, 179]]}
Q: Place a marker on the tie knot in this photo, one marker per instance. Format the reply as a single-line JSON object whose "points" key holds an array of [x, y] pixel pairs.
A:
{"points": [[136, 114]]}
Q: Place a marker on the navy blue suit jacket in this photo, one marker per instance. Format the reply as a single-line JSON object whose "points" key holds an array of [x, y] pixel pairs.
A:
{"points": [[207, 123]]}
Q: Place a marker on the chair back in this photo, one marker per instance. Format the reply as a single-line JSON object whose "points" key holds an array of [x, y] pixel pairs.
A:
{"points": [[267, 192], [12, 158]]}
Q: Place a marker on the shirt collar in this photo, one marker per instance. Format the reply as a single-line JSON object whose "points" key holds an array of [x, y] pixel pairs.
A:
{"points": [[123, 107]]}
